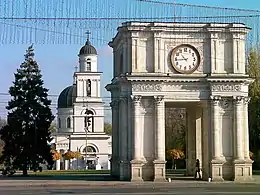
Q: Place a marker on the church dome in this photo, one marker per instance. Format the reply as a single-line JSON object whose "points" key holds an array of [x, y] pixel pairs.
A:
{"points": [[88, 49], [66, 97]]}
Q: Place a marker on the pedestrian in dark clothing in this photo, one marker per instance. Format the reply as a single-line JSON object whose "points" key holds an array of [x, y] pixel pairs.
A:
{"points": [[197, 172]]}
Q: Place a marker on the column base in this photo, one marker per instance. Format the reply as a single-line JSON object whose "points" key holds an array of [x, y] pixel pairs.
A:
{"points": [[137, 170], [243, 170], [159, 171], [190, 167], [124, 171], [114, 167], [217, 169]]}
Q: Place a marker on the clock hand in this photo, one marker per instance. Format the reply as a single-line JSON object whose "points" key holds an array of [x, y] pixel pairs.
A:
{"points": [[184, 58]]}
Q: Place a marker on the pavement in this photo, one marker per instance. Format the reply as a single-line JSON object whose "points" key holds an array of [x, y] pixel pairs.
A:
{"points": [[141, 189], [44, 186]]}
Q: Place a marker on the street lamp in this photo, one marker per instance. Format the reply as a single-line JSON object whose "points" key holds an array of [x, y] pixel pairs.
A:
{"points": [[87, 124]]}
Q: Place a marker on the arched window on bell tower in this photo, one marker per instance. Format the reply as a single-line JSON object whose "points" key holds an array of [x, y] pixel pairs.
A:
{"points": [[89, 88], [88, 65], [89, 121], [68, 122], [59, 123]]}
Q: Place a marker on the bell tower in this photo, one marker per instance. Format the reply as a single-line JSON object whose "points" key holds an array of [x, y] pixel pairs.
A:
{"points": [[87, 82]]}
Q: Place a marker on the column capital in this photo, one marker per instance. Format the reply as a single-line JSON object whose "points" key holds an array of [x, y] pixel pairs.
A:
{"points": [[136, 99], [159, 99], [114, 104], [238, 99], [123, 99], [247, 100], [215, 99]]}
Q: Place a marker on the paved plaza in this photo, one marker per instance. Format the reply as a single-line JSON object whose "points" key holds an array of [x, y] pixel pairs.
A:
{"points": [[58, 187]]}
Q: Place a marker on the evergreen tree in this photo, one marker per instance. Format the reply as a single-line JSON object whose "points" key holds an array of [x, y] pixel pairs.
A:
{"points": [[27, 133]]}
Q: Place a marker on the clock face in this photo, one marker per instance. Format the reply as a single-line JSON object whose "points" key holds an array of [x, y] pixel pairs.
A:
{"points": [[185, 59]]}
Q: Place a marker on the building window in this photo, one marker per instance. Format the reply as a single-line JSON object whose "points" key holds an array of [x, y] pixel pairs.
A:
{"points": [[90, 149], [89, 121], [89, 88], [68, 122], [59, 123], [121, 66], [88, 65]]}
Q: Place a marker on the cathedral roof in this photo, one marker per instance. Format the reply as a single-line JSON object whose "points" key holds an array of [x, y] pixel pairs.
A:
{"points": [[66, 97], [88, 49]]}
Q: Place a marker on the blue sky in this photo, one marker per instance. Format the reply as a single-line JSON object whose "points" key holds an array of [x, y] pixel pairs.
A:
{"points": [[57, 61]]}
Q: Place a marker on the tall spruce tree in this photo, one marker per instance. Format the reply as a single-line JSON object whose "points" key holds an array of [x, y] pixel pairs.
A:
{"points": [[27, 133]]}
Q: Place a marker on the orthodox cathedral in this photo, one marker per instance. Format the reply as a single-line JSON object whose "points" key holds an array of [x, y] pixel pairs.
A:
{"points": [[80, 120]]}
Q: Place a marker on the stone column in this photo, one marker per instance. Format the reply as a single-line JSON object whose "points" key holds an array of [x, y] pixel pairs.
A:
{"points": [[66, 165], [138, 159], [216, 130], [58, 165], [190, 141], [159, 161], [123, 138], [198, 136], [214, 55], [205, 140], [238, 128], [246, 130], [242, 165], [217, 161], [114, 159]]}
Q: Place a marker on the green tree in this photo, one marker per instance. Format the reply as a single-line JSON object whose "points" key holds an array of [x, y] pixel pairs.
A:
{"points": [[27, 133], [175, 128], [53, 128], [254, 105], [2, 124], [108, 128]]}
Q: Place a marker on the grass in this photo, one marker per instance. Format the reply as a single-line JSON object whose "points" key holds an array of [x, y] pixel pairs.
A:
{"points": [[90, 173], [72, 172], [64, 173]]}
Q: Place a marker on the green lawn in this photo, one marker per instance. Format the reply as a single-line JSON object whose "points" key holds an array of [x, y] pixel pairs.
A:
{"points": [[82, 173], [72, 172], [46, 173]]}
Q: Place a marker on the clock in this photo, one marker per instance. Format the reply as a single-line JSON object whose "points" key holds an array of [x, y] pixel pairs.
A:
{"points": [[185, 59]]}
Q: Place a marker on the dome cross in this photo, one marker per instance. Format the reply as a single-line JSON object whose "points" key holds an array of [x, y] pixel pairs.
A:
{"points": [[88, 35]]}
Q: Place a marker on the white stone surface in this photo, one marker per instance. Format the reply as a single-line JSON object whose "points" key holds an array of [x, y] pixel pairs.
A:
{"points": [[143, 69]]}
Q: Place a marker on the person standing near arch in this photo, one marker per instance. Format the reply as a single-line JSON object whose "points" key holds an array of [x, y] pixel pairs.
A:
{"points": [[197, 169]]}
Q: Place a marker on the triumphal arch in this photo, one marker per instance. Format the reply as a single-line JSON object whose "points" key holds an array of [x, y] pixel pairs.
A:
{"points": [[197, 66]]}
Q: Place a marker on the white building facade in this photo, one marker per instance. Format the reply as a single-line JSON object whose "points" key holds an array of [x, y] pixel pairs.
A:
{"points": [[197, 66], [80, 120]]}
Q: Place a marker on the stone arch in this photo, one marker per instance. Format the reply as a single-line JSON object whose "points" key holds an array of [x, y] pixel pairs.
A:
{"points": [[83, 112], [203, 96], [91, 146]]}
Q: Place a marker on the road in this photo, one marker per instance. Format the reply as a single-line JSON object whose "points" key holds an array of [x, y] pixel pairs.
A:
{"points": [[129, 188]]}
